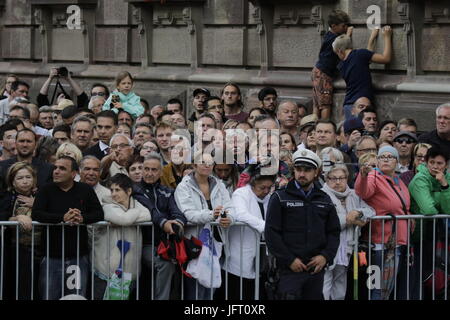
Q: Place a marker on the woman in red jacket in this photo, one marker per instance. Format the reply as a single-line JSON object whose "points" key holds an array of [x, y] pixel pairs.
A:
{"points": [[382, 189]]}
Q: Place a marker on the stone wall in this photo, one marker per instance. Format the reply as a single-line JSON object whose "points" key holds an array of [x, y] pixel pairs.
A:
{"points": [[175, 46]]}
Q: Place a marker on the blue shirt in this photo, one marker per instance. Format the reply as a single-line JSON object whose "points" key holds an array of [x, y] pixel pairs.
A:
{"points": [[306, 194], [356, 73], [328, 60]]}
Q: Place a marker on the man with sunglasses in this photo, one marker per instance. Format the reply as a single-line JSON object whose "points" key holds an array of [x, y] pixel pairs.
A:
{"points": [[404, 142]]}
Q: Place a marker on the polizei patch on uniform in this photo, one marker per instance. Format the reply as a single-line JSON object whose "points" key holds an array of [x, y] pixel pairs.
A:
{"points": [[294, 204]]}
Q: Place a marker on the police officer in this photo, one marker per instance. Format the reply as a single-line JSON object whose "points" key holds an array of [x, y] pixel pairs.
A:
{"points": [[302, 231]]}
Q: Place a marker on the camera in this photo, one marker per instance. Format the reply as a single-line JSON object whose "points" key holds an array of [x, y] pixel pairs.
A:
{"points": [[63, 71], [223, 214], [115, 98], [179, 232]]}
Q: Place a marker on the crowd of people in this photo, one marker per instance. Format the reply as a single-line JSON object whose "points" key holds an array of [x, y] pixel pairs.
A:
{"points": [[108, 155]]}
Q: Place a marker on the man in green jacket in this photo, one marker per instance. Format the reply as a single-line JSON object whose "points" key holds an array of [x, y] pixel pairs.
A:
{"points": [[430, 195]]}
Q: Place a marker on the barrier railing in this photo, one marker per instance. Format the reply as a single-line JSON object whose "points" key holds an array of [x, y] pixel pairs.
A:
{"points": [[420, 266], [33, 270]]}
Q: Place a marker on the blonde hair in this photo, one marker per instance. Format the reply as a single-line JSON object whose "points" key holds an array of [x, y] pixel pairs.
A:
{"points": [[71, 148], [342, 43], [421, 145], [122, 75], [14, 169], [230, 124], [366, 157]]}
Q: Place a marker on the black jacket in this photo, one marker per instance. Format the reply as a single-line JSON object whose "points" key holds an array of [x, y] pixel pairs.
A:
{"points": [[299, 227], [95, 151], [82, 100], [160, 202], [433, 139]]}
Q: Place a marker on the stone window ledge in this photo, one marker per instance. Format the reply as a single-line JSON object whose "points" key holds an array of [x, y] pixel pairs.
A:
{"points": [[167, 2], [62, 2]]}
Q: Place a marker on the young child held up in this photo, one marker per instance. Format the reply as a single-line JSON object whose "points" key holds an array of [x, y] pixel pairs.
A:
{"points": [[123, 97]]}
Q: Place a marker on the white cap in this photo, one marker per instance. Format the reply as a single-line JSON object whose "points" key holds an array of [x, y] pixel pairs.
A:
{"points": [[305, 157]]}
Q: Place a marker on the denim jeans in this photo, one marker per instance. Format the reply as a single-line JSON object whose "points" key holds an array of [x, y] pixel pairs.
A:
{"points": [[400, 263], [63, 282]]}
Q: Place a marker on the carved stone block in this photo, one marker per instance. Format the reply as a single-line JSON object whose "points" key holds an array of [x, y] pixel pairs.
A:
{"points": [[175, 50], [223, 46], [111, 44], [61, 51], [17, 12], [357, 10], [292, 15], [37, 49], [253, 47], [437, 44], [437, 12], [135, 46], [16, 43], [169, 16], [224, 12], [295, 47], [113, 12]]}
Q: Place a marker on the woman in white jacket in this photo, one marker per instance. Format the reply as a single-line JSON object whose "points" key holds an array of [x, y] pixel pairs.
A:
{"points": [[123, 211], [352, 211], [201, 197], [250, 203]]}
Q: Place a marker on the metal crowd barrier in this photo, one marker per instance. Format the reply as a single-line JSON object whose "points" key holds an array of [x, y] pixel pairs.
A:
{"points": [[406, 267], [8, 249]]}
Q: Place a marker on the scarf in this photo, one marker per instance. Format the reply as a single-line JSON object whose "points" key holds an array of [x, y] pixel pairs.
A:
{"points": [[351, 203]]}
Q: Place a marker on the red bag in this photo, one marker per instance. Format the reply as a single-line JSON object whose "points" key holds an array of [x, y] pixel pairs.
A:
{"points": [[180, 251]]}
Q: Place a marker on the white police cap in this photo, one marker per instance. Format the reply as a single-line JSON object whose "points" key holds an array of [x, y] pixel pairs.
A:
{"points": [[305, 157]]}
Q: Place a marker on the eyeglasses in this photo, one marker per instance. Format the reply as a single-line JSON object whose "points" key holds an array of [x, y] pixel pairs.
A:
{"points": [[121, 146], [386, 158], [16, 117], [100, 94], [337, 179], [408, 141], [367, 150]]}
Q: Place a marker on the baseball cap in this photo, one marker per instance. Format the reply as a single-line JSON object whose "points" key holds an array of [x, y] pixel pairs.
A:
{"points": [[307, 158], [308, 120], [201, 90], [406, 134], [64, 103]]}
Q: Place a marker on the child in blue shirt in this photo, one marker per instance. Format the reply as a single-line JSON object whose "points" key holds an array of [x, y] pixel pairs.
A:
{"points": [[123, 98], [354, 66], [325, 69]]}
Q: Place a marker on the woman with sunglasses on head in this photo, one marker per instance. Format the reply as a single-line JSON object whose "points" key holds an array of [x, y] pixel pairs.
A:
{"points": [[419, 154], [382, 189], [352, 211], [203, 199]]}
